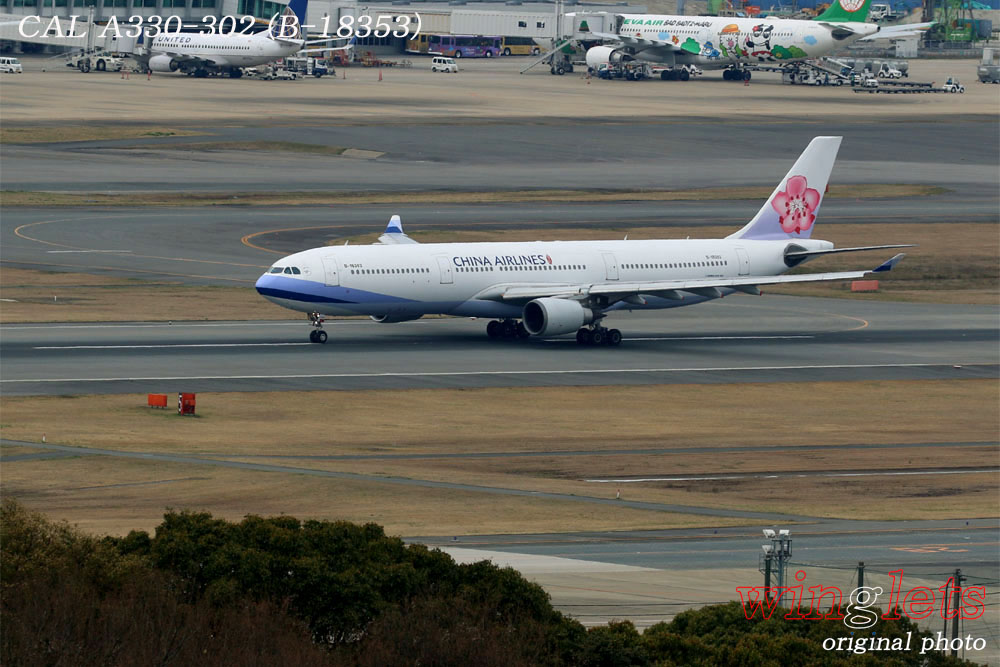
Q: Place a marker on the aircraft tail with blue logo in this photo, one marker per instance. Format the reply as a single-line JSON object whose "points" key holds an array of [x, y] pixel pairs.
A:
{"points": [[287, 26], [791, 210]]}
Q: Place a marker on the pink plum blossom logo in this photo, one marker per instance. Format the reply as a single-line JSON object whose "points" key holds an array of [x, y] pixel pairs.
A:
{"points": [[797, 205]]}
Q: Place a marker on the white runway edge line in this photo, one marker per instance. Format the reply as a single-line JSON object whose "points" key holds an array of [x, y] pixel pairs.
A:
{"points": [[825, 474], [585, 371]]}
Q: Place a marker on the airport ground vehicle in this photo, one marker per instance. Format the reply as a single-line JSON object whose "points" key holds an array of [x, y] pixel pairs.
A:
{"points": [[307, 66], [887, 71], [953, 85], [989, 67], [464, 46], [519, 46], [10, 66], [443, 64], [96, 60]]}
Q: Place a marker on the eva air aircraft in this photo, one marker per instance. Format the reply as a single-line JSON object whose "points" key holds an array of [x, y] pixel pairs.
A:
{"points": [[733, 43], [564, 287]]}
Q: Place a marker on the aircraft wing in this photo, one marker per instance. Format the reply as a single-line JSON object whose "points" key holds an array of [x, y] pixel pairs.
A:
{"points": [[672, 289], [640, 42], [899, 31]]}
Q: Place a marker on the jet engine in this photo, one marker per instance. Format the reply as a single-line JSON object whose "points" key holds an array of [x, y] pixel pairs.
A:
{"points": [[551, 317], [163, 63], [606, 55], [389, 319]]}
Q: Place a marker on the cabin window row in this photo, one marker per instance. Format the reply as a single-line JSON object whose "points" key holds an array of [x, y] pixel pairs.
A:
{"points": [[676, 265], [541, 267], [380, 272]]}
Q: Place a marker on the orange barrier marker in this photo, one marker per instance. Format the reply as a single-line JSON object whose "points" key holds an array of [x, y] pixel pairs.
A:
{"points": [[157, 400], [864, 286]]}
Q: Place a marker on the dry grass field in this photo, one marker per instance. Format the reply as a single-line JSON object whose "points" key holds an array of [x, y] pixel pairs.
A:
{"points": [[280, 428]]}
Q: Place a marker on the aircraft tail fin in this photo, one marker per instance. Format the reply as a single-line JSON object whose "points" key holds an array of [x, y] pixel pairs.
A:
{"points": [[846, 11], [791, 209], [394, 233], [287, 25]]}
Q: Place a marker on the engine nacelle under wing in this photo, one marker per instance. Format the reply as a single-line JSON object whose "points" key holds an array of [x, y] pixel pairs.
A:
{"points": [[606, 55], [551, 317], [163, 63]]}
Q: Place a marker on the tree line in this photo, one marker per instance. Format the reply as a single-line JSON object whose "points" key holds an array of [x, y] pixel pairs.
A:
{"points": [[262, 591]]}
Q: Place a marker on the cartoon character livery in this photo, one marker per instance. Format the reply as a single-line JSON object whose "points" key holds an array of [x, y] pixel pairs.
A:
{"points": [[564, 287], [729, 43], [758, 42]]}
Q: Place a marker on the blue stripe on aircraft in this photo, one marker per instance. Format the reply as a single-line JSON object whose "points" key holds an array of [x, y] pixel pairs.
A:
{"points": [[311, 291]]}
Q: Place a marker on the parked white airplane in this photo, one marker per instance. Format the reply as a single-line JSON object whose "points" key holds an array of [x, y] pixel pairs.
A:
{"points": [[562, 287], [733, 43], [202, 54]]}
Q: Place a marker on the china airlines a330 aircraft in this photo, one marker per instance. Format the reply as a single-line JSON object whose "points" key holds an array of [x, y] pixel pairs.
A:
{"points": [[562, 287]]}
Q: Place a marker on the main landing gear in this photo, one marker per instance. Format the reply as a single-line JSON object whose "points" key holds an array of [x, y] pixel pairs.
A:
{"points": [[506, 329], [599, 336], [317, 335]]}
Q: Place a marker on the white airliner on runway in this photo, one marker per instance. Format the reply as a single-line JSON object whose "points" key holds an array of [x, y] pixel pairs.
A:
{"points": [[202, 54], [560, 287], [732, 43]]}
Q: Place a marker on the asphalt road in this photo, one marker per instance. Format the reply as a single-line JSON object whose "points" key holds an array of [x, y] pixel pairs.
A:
{"points": [[738, 339]]}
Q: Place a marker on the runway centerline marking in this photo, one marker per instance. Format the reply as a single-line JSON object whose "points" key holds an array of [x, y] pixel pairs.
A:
{"points": [[583, 371]]}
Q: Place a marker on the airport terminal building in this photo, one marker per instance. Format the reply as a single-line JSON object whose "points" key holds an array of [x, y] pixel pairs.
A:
{"points": [[522, 19]]}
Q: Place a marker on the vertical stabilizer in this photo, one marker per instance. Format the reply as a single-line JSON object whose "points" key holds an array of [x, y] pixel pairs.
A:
{"points": [[846, 11], [287, 25], [792, 208]]}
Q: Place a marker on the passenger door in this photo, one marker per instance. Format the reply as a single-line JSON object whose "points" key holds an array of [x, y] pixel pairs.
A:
{"points": [[331, 276], [744, 261], [610, 266], [445, 266]]}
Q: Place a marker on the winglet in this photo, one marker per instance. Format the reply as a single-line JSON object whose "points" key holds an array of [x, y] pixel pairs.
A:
{"points": [[889, 264], [395, 225], [394, 233]]}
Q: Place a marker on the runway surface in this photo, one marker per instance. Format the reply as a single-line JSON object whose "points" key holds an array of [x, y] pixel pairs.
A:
{"points": [[738, 339], [531, 153]]}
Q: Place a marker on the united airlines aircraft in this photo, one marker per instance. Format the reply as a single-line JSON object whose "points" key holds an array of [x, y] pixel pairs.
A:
{"points": [[227, 53], [562, 287]]}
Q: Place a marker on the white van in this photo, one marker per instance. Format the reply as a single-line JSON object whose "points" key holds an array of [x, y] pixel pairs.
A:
{"points": [[10, 66], [442, 64]]}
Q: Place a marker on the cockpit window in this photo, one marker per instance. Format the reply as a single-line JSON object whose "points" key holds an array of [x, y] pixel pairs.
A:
{"points": [[276, 269], [295, 270], [288, 269]]}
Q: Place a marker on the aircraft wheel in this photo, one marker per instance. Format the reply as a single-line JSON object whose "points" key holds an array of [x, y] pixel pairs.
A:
{"points": [[493, 329], [614, 337], [746, 75], [508, 329], [321, 336], [560, 70], [597, 337], [727, 74], [583, 336], [312, 336], [685, 75], [522, 331]]}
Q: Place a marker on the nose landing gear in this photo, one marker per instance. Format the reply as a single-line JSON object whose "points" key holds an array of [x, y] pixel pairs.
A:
{"points": [[317, 335]]}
